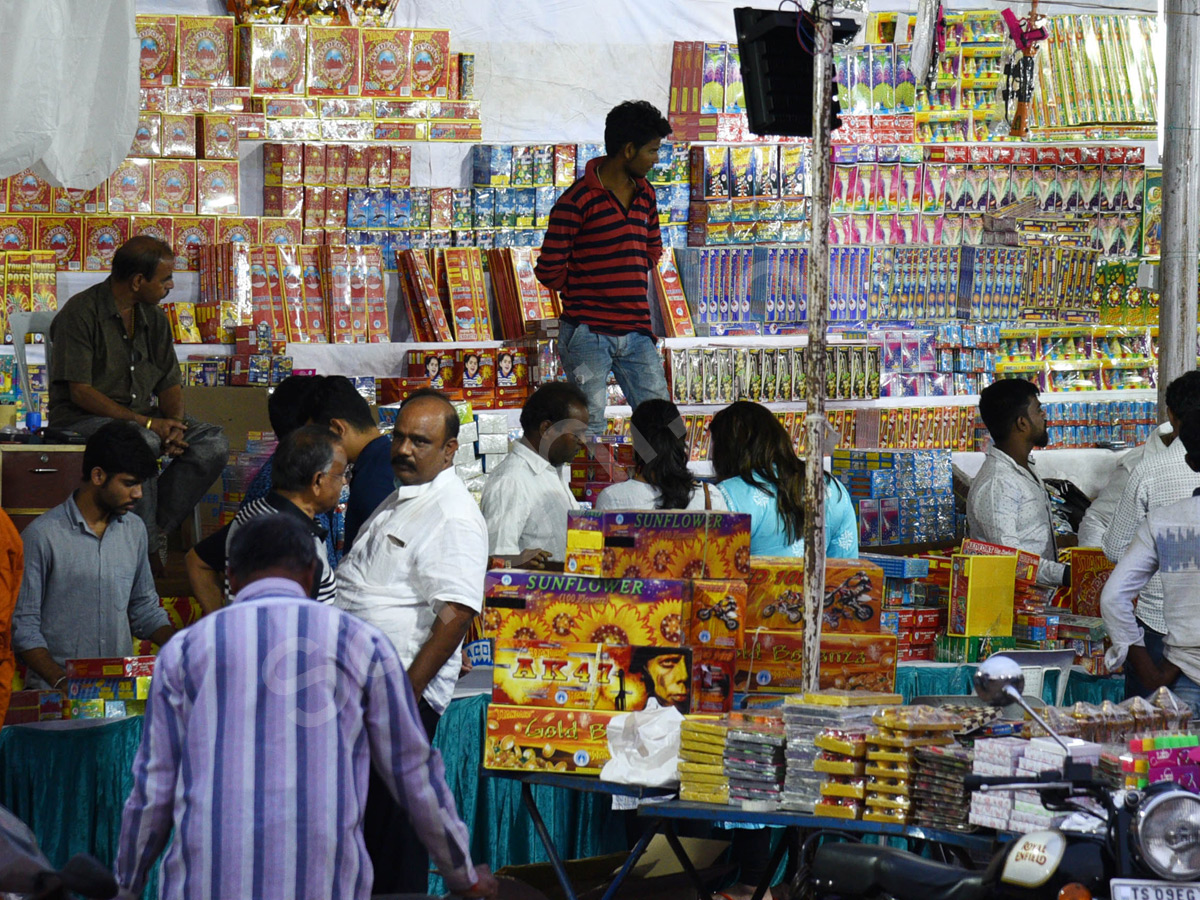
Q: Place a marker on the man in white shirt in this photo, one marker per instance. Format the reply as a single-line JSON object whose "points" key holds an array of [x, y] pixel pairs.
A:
{"points": [[1158, 481], [1166, 543], [526, 500], [1100, 514], [415, 572], [1008, 503]]}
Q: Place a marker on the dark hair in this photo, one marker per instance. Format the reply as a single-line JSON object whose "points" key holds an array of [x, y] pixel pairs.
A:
{"points": [[659, 443], [276, 541], [140, 255], [1183, 394], [451, 422], [471, 356], [119, 449], [636, 122], [335, 397], [1003, 402], [300, 456], [1189, 433], [288, 405], [550, 403], [748, 442]]}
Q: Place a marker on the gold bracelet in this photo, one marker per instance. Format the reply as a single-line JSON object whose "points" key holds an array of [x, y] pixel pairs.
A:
{"points": [[149, 422]]}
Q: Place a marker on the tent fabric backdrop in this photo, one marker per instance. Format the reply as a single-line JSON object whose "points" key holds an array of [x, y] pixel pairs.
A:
{"points": [[68, 88]]}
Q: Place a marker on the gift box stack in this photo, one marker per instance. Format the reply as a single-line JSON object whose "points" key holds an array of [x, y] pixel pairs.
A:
{"points": [[486, 377], [903, 497], [938, 791], [108, 688], [891, 757], [702, 776], [1172, 757], [754, 763]]}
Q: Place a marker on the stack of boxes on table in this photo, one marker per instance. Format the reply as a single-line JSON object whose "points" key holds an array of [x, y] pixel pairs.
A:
{"points": [[903, 497], [1022, 810], [900, 732], [107, 688]]}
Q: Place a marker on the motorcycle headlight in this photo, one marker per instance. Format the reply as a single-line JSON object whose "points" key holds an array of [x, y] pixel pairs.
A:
{"points": [[1167, 835]]}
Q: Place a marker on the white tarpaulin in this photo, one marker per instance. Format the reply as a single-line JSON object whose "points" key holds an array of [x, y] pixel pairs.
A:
{"points": [[68, 88]]}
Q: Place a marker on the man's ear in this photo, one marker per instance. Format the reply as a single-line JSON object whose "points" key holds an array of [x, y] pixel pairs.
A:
{"points": [[452, 447], [338, 427]]}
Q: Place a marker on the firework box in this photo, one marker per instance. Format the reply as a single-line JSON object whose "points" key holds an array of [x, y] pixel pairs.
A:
{"points": [[590, 676], [283, 165], [385, 55], [205, 51], [173, 186], [333, 62], [147, 139], [659, 544], [233, 229], [178, 136], [156, 49], [102, 235], [716, 613], [969, 649], [17, 233], [554, 740], [218, 138], [271, 59], [25, 707], [543, 606], [191, 233], [131, 688], [981, 595], [76, 202], [1090, 570], [713, 671], [771, 662], [110, 667], [182, 316], [129, 188], [217, 187], [429, 62], [28, 193], [64, 236]]}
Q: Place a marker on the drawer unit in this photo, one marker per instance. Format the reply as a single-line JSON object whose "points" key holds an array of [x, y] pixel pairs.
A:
{"points": [[35, 478]]}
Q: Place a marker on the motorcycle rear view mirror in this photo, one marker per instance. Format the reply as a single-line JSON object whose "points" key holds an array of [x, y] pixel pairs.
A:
{"points": [[1000, 681]]}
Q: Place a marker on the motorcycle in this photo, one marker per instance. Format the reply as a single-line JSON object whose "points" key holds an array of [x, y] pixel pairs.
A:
{"points": [[26, 873], [1148, 849]]}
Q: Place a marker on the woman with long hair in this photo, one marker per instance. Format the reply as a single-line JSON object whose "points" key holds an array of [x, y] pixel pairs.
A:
{"points": [[661, 479], [759, 473]]}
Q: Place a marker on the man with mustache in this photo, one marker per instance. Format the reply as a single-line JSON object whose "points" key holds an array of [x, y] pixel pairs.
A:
{"points": [[87, 578], [1007, 503], [415, 572]]}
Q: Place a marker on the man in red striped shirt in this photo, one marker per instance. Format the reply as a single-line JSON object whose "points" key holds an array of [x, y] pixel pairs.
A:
{"points": [[602, 240]]}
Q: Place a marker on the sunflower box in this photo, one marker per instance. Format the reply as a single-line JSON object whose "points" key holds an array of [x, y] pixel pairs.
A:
{"points": [[555, 606], [547, 740], [716, 613], [658, 544], [853, 595], [771, 661], [590, 676]]}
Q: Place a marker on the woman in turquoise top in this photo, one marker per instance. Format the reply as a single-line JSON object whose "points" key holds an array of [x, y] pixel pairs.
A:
{"points": [[759, 473]]}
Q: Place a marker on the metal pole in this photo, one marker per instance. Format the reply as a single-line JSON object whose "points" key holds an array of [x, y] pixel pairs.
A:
{"points": [[818, 309], [1181, 195]]}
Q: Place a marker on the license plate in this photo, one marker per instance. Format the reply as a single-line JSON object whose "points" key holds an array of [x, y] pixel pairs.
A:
{"points": [[1137, 889]]}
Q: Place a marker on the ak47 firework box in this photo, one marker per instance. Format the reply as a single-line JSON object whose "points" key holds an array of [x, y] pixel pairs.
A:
{"points": [[714, 545]]}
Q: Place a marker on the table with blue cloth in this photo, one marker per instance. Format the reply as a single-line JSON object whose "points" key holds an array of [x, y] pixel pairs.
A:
{"points": [[68, 780]]}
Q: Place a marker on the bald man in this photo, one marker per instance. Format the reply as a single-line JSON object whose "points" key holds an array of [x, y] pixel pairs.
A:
{"points": [[113, 358], [415, 572]]}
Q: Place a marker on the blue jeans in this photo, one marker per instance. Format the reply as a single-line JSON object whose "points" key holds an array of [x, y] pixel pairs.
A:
{"points": [[1188, 692], [587, 358], [1154, 646]]}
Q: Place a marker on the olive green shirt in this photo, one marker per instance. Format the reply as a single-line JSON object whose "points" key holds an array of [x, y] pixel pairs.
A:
{"points": [[91, 346]]}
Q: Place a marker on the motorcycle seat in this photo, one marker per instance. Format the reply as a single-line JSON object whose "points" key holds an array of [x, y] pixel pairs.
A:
{"points": [[867, 870]]}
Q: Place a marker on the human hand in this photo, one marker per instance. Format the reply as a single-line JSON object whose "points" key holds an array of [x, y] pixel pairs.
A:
{"points": [[485, 886], [532, 559], [167, 428]]}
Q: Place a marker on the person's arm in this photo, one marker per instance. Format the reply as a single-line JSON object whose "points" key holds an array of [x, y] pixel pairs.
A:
{"points": [[147, 819], [205, 565], [1130, 513], [449, 628], [565, 221], [40, 661], [147, 619], [1005, 507], [413, 771], [27, 638], [170, 403], [654, 246], [1136, 567]]}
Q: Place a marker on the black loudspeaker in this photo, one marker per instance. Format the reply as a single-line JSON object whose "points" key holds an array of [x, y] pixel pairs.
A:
{"points": [[777, 71]]}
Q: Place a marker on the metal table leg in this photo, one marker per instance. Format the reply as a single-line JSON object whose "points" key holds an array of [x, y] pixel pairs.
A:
{"points": [[638, 850], [772, 868], [544, 834], [686, 862]]}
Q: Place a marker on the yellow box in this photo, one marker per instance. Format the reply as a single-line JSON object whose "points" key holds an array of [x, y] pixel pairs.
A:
{"points": [[633, 544], [981, 595], [548, 740]]}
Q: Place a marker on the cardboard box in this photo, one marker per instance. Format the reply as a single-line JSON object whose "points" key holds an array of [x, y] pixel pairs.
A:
{"points": [[75, 202], [541, 606], [771, 662], [192, 233], [429, 66], [717, 614], [713, 673], [385, 56], [713, 545], [591, 676], [969, 649], [28, 193], [102, 235], [521, 737], [1090, 570], [156, 49], [206, 51], [981, 596], [217, 189], [219, 136], [17, 233], [161, 227], [135, 687], [271, 59], [173, 188], [178, 136], [333, 62], [129, 187], [147, 139], [64, 236]]}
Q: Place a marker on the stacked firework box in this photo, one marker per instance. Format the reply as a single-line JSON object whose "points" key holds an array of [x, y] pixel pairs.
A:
{"points": [[939, 794], [754, 763], [702, 775], [891, 757]]}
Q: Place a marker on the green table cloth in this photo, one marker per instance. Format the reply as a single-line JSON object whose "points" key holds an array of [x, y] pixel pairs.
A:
{"points": [[68, 781]]}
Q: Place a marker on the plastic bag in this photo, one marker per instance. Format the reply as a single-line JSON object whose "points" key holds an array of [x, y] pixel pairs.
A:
{"points": [[644, 747]]}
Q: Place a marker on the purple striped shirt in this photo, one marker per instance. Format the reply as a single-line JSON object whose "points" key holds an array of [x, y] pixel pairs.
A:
{"points": [[262, 722]]}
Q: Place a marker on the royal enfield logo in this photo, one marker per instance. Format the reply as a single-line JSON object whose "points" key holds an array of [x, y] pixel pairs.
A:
{"points": [[332, 60], [428, 62], [388, 64]]}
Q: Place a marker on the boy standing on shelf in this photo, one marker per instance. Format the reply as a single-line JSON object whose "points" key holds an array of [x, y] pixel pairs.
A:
{"points": [[602, 241]]}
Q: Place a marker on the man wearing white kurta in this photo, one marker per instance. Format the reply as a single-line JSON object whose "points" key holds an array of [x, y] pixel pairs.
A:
{"points": [[415, 572]]}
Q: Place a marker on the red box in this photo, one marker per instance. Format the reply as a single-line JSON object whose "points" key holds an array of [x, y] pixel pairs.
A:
{"points": [[156, 53], [219, 136], [217, 189], [237, 229], [287, 202], [379, 166], [335, 165], [102, 235], [178, 136], [74, 202], [283, 164], [280, 230], [429, 66], [206, 50], [385, 56], [356, 165], [129, 188], [161, 227], [271, 59], [334, 69], [28, 193], [64, 236], [192, 233], [111, 667], [313, 169], [17, 233], [401, 166], [174, 186]]}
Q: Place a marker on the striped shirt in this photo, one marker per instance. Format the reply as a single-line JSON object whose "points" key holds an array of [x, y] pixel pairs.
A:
{"points": [[263, 721], [598, 255], [274, 504]]}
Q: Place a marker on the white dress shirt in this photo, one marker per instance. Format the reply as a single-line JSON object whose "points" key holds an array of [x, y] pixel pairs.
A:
{"points": [[1100, 514], [424, 547], [1159, 481], [634, 494], [1166, 545], [1008, 505], [525, 503]]}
